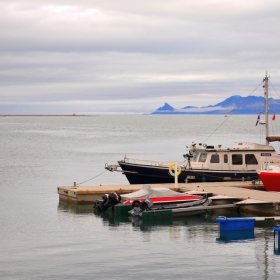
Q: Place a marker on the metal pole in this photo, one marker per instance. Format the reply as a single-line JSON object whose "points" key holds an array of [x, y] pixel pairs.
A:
{"points": [[265, 81]]}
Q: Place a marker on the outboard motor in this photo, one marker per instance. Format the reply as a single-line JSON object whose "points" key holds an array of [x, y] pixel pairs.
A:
{"points": [[138, 207], [109, 200], [99, 205], [136, 210], [147, 204], [115, 197]]}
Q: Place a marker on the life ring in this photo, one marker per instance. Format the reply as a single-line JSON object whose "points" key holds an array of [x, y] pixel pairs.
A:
{"points": [[171, 170]]}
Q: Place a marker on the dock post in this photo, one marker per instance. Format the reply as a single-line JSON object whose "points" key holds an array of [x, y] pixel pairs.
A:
{"points": [[277, 240]]}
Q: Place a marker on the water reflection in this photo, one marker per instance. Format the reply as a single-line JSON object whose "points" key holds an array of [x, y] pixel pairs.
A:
{"points": [[189, 222], [148, 225], [236, 235], [175, 225], [107, 217], [110, 219], [75, 209]]}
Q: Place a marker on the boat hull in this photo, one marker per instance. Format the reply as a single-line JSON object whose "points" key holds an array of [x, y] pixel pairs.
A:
{"points": [[148, 174], [196, 209], [271, 180], [186, 209]]}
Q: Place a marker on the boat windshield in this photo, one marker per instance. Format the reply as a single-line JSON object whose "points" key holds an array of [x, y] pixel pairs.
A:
{"points": [[251, 159], [194, 157], [202, 157]]}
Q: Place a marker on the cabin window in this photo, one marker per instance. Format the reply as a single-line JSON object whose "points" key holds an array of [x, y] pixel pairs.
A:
{"points": [[225, 158], [251, 159], [215, 159], [237, 160], [194, 157], [202, 157]]}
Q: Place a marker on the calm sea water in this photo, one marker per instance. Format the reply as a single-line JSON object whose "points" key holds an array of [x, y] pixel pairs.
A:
{"points": [[43, 239]]}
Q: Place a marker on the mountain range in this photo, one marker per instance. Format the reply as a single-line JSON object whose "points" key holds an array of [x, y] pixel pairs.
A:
{"points": [[235, 104]]}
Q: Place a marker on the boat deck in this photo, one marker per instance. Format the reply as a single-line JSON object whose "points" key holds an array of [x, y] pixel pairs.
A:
{"points": [[239, 190]]}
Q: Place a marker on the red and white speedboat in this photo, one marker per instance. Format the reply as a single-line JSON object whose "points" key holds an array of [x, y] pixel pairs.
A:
{"points": [[148, 199], [270, 175], [167, 199], [186, 208], [158, 196]]}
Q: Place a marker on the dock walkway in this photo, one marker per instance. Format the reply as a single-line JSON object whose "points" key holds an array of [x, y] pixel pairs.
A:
{"points": [[249, 198]]}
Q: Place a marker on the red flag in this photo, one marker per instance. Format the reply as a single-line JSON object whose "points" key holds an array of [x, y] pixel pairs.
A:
{"points": [[273, 117]]}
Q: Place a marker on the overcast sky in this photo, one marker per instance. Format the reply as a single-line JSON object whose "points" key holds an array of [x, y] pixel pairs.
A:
{"points": [[91, 56]]}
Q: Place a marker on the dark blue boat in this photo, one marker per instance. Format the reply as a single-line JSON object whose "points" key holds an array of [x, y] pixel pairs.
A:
{"points": [[204, 163]]}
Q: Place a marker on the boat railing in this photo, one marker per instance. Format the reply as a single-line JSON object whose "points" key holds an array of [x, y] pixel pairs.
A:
{"points": [[150, 162], [269, 162]]}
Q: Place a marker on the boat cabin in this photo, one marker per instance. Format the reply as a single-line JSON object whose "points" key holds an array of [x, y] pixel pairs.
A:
{"points": [[242, 156]]}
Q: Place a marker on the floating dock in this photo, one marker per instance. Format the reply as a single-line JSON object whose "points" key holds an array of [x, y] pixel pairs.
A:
{"points": [[245, 196], [88, 194]]}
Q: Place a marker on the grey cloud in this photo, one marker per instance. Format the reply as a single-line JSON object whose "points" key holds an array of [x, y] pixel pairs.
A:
{"points": [[148, 52]]}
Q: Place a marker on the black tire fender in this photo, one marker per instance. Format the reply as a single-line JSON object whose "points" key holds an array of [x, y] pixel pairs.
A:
{"points": [[144, 205], [136, 201]]}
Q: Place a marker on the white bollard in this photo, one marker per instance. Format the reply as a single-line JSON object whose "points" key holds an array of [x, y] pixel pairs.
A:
{"points": [[176, 176]]}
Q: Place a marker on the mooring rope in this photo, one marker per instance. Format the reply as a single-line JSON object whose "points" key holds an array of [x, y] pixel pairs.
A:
{"points": [[91, 178], [274, 88]]}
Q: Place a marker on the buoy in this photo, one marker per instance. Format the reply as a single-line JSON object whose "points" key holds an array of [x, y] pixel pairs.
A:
{"points": [[172, 171]]}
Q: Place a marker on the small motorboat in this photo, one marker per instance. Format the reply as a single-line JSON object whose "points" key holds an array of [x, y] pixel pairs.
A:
{"points": [[158, 196], [188, 208], [167, 199]]}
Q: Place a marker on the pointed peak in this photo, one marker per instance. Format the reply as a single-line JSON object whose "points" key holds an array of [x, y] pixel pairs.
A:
{"points": [[166, 107]]}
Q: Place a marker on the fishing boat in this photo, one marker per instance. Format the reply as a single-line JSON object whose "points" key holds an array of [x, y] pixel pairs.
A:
{"points": [[188, 208], [204, 162], [270, 175]]}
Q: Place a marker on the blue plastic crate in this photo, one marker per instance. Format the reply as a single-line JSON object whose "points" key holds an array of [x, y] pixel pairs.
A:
{"points": [[228, 224], [236, 235]]}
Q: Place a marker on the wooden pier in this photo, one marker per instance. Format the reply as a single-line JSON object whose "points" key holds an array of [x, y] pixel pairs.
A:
{"points": [[247, 197], [88, 194]]}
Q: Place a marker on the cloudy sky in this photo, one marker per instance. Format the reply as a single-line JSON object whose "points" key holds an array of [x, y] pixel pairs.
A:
{"points": [[91, 56]]}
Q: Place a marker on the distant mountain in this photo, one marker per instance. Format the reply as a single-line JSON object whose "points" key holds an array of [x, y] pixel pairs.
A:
{"points": [[235, 104], [166, 108], [189, 107]]}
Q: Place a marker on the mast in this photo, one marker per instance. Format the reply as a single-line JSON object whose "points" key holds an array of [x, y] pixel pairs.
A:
{"points": [[265, 81]]}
